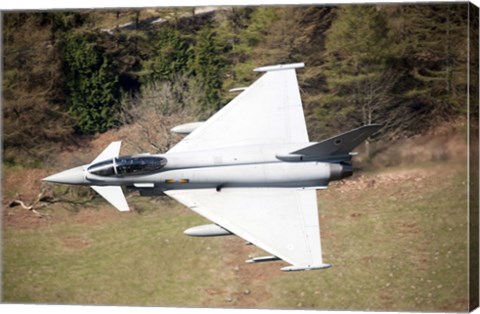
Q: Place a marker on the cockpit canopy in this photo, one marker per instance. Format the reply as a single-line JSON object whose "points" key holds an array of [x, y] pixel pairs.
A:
{"points": [[128, 166]]}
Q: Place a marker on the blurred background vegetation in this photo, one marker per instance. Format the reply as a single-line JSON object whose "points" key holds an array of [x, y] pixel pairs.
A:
{"points": [[69, 75]]}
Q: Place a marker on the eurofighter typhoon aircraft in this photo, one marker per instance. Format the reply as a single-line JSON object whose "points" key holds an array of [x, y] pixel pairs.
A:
{"points": [[250, 169]]}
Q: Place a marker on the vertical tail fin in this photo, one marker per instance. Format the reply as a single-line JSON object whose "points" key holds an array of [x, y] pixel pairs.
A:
{"points": [[340, 145]]}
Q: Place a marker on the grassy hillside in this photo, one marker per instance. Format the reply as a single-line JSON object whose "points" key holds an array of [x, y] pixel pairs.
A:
{"points": [[396, 238]]}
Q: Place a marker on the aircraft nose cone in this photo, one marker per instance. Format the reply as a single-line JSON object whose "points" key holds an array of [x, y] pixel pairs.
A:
{"points": [[71, 176]]}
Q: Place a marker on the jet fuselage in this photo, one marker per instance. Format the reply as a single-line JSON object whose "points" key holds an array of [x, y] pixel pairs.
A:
{"points": [[254, 166]]}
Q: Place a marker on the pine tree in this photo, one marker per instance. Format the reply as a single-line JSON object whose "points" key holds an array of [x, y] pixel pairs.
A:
{"points": [[251, 30], [231, 31], [360, 79], [433, 45], [91, 85], [357, 69], [35, 122], [170, 56], [208, 65]]}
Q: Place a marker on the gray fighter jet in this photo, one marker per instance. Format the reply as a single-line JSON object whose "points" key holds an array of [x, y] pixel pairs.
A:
{"points": [[250, 169]]}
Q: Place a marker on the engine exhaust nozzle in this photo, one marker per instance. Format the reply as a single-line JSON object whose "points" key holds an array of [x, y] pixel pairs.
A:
{"points": [[340, 171]]}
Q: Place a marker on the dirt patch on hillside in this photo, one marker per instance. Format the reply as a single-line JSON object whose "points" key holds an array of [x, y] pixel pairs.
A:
{"points": [[252, 292], [460, 305], [94, 216], [23, 184], [249, 290], [75, 243], [19, 218]]}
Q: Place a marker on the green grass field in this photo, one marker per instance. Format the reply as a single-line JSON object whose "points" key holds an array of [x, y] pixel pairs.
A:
{"points": [[397, 239]]}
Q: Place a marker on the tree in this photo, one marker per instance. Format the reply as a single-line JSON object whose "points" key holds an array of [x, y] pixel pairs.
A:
{"points": [[35, 122], [230, 31], [360, 79], [248, 50], [273, 35], [91, 85], [208, 65], [432, 41], [159, 107], [307, 36], [171, 54]]}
